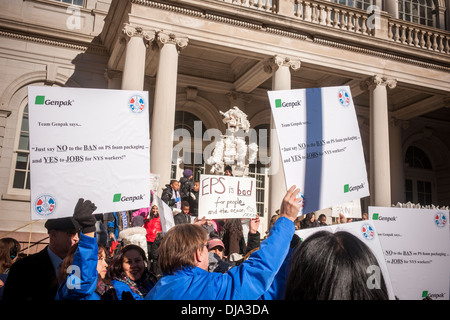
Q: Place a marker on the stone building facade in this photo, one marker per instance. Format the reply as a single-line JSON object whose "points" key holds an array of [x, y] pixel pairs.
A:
{"points": [[199, 57]]}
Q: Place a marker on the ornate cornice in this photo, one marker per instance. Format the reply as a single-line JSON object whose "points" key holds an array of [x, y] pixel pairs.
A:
{"points": [[298, 34], [98, 49]]}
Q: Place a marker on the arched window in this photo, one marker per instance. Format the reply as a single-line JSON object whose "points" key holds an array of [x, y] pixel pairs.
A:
{"points": [[419, 182], [188, 130], [417, 11], [359, 4], [21, 155]]}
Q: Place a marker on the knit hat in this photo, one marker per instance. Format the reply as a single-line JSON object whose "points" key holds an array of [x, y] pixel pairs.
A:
{"points": [[138, 221], [187, 173]]}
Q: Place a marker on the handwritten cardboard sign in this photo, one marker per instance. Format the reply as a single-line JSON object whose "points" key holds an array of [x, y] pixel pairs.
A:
{"points": [[223, 197]]}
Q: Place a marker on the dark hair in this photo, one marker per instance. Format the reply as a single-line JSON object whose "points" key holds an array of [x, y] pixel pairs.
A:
{"points": [[332, 266], [9, 249], [115, 269], [185, 204]]}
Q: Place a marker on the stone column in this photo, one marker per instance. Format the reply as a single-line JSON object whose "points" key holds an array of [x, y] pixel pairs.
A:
{"points": [[134, 67], [163, 116], [397, 167], [380, 173], [281, 80], [392, 8]]}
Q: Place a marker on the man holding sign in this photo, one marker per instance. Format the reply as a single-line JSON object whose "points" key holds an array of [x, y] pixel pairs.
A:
{"points": [[183, 257]]}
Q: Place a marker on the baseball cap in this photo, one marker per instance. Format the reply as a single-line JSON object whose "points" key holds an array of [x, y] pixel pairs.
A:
{"points": [[215, 242]]}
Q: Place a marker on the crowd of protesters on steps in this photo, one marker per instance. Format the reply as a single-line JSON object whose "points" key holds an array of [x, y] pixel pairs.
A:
{"points": [[125, 256]]}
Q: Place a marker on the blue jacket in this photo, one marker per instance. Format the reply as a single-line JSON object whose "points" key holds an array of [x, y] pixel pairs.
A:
{"points": [[81, 284], [122, 287], [248, 281]]}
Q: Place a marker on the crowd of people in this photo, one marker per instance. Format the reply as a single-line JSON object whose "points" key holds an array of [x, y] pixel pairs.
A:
{"points": [[125, 256]]}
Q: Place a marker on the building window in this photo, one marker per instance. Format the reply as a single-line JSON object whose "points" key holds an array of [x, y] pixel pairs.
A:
{"points": [[359, 4], [21, 155], [420, 181], [184, 156], [417, 11], [72, 2], [416, 158]]}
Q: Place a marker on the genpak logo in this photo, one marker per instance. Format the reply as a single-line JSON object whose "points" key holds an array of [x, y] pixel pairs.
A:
{"points": [[119, 198], [45, 205], [280, 104], [349, 188], [40, 100]]}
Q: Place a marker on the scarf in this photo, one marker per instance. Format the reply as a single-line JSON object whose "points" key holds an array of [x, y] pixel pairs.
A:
{"points": [[105, 291], [140, 287]]}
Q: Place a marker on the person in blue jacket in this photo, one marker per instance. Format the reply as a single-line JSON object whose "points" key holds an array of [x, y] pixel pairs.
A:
{"points": [[129, 273], [83, 270], [183, 258]]}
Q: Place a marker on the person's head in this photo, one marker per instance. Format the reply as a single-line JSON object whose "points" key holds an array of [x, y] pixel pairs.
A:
{"points": [[175, 184], [216, 245], [187, 173], [196, 186], [273, 219], [322, 219], [184, 245], [9, 250], [154, 211], [332, 266], [102, 265], [131, 261], [365, 216], [228, 171], [63, 234], [185, 207], [64, 267]]}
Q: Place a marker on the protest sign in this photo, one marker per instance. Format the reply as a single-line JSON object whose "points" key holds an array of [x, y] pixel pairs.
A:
{"points": [[417, 250], [320, 145], [367, 233], [91, 144], [154, 182], [165, 214], [351, 209], [226, 197]]}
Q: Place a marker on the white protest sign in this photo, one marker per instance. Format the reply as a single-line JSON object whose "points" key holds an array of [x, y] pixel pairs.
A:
{"points": [[320, 145], [367, 233], [154, 182], [91, 144], [165, 214], [351, 209], [222, 197], [416, 245]]}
